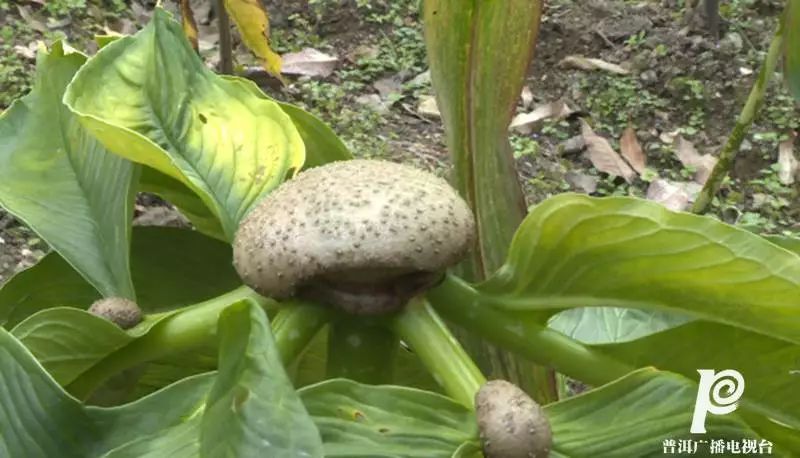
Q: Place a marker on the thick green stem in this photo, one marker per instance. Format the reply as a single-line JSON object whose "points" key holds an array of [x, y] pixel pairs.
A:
{"points": [[225, 42], [294, 326], [361, 350], [459, 303], [427, 335], [746, 117], [190, 328]]}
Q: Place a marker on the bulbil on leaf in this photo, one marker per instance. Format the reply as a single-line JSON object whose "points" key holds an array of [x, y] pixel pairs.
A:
{"points": [[511, 424], [118, 310], [362, 235]]}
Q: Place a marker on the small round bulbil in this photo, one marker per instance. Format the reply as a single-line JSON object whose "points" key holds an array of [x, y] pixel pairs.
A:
{"points": [[120, 311], [362, 235], [511, 424]]}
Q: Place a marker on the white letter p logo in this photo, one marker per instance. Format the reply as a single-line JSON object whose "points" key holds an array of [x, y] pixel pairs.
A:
{"points": [[711, 399]]}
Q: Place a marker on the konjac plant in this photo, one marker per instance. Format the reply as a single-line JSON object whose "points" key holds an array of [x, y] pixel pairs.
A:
{"points": [[330, 306]]}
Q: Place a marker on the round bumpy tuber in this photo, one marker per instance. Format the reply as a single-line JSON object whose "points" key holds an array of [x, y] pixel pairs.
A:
{"points": [[511, 424], [120, 311], [362, 235]]}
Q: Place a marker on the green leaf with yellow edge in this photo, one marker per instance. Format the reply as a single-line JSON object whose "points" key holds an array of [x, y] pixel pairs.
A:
{"points": [[252, 20], [150, 99], [322, 143], [792, 47], [579, 251], [62, 183]]}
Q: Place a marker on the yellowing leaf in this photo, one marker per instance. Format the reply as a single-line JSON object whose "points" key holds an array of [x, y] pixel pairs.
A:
{"points": [[252, 20], [188, 23]]}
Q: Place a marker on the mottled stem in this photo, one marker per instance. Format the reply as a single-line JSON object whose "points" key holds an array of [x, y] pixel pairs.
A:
{"points": [[743, 123]]}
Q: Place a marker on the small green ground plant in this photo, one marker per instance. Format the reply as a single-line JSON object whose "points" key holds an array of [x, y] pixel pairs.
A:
{"points": [[309, 312]]}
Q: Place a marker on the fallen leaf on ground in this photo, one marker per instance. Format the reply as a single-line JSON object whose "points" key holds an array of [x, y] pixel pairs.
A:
{"points": [[526, 97], [427, 107], [632, 151], [309, 62], [28, 52], [689, 157], [388, 86], [788, 165], [588, 63], [586, 183], [29, 19], [673, 194], [603, 156], [525, 123], [572, 145]]}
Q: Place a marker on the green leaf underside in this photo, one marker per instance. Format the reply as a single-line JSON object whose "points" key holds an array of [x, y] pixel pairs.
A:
{"points": [[40, 419], [601, 325], [170, 267], [770, 367], [150, 99], [632, 417], [253, 409], [578, 251], [67, 341], [62, 183]]}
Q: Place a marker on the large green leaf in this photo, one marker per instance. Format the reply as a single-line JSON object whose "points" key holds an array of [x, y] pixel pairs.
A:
{"points": [[150, 99], [359, 420], [792, 47], [61, 182], [39, 419], [321, 143], [768, 365], [790, 243], [67, 341], [253, 409], [633, 416], [577, 251], [171, 268]]}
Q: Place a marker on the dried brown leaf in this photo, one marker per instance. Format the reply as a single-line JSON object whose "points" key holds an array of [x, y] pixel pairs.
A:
{"points": [[309, 62], [788, 165], [672, 194], [589, 64], [526, 123], [603, 156], [427, 107], [632, 151], [689, 157]]}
